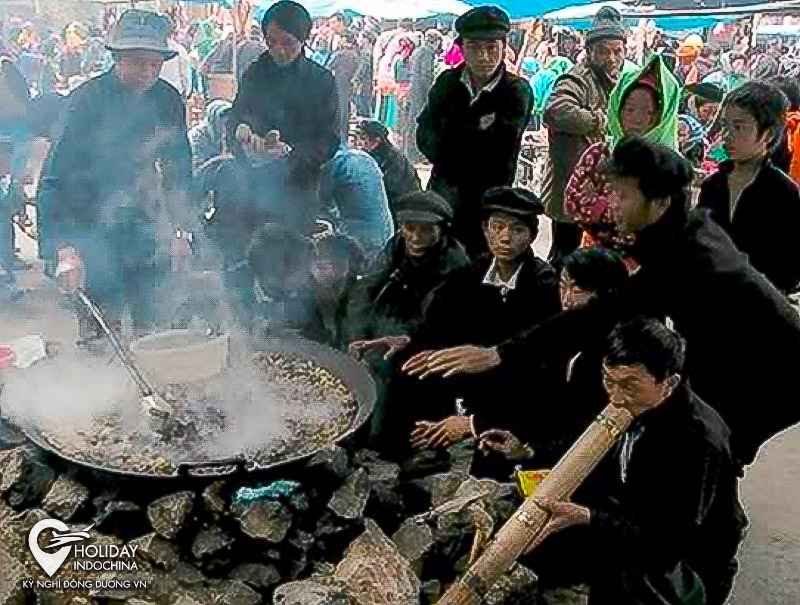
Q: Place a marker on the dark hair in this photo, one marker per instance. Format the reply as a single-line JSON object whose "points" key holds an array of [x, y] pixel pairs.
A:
{"points": [[649, 342], [765, 102], [596, 269], [662, 172], [791, 88]]}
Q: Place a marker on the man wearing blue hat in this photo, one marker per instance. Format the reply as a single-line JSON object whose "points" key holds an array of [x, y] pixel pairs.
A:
{"points": [[471, 129], [120, 172]]}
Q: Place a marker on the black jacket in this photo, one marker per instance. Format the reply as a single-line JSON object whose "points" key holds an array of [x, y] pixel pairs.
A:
{"points": [[675, 522], [468, 160], [766, 222], [109, 145], [399, 175], [743, 336], [389, 301], [299, 101]]}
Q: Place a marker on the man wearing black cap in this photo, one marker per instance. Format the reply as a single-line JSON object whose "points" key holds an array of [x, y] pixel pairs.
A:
{"points": [[399, 175], [413, 264], [576, 117], [120, 172], [471, 129], [290, 104]]}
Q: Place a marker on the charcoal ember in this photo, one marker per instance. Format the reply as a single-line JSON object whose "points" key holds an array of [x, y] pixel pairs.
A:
{"points": [[65, 498], [256, 575], [187, 575], [414, 539], [236, 592], [333, 460], [212, 499], [516, 587], [25, 474], [168, 514], [381, 471], [376, 572], [318, 591], [156, 550], [298, 566], [210, 541], [350, 500], [264, 519], [299, 501]]}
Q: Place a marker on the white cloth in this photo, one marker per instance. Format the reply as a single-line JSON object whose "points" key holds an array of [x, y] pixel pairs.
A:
{"points": [[176, 69], [492, 278], [628, 441]]}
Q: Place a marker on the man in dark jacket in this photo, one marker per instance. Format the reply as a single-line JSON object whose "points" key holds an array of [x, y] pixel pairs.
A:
{"points": [[637, 536], [743, 335], [471, 129], [291, 102], [754, 202], [399, 175], [121, 171], [575, 117]]}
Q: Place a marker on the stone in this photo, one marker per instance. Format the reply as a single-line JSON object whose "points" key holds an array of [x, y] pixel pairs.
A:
{"points": [[414, 539], [210, 541], [264, 519], [383, 472], [12, 574], [333, 459], [425, 463], [317, 591], [186, 600], [514, 588], [461, 456], [376, 572], [431, 591], [350, 500], [168, 514], [212, 499], [157, 551], [236, 592], [363, 457], [123, 515], [302, 540], [187, 575], [323, 569], [65, 498], [138, 602], [256, 575], [24, 473], [443, 487]]}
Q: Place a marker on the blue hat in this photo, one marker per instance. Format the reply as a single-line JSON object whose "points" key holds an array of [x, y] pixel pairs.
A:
{"points": [[142, 30]]}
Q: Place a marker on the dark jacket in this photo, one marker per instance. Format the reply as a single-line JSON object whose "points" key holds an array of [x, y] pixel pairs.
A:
{"points": [[670, 530], [299, 101], [399, 175], [743, 335], [468, 160], [572, 124], [109, 145], [766, 222], [389, 301]]}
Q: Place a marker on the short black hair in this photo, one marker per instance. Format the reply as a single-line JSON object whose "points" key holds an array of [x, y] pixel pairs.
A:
{"points": [[662, 172], [649, 342], [765, 102], [597, 270]]}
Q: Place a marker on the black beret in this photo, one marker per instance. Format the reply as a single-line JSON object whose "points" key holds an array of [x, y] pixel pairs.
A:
{"points": [[291, 17], [372, 128], [484, 22], [706, 90], [516, 201], [423, 207]]}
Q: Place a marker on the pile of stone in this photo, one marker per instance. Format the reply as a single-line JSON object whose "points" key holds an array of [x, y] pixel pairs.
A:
{"points": [[344, 527]]}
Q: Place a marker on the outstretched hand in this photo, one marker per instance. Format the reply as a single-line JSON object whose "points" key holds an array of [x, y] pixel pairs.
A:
{"points": [[388, 346], [467, 359], [505, 443]]}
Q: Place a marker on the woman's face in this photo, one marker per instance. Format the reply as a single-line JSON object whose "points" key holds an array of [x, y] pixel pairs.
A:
{"points": [[639, 113], [572, 295], [283, 47]]}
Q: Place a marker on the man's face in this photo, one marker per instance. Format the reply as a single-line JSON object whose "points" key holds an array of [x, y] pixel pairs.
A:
{"points": [[330, 274], [568, 47], [608, 55], [634, 388], [283, 47], [707, 111], [629, 208], [484, 56], [139, 69], [740, 133], [508, 237], [572, 295], [420, 237]]}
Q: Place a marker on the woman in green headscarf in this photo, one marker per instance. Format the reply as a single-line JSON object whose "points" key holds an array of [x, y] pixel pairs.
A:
{"points": [[644, 102]]}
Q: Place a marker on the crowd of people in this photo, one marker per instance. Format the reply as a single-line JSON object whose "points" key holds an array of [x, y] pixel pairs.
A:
{"points": [[302, 193]]}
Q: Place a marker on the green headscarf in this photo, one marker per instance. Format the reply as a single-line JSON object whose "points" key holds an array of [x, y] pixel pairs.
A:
{"points": [[668, 90]]}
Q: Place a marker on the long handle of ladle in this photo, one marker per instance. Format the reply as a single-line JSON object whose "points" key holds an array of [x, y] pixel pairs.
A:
{"points": [[140, 380]]}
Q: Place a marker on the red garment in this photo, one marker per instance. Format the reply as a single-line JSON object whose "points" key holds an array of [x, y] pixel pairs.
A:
{"points": [[793, 133], [586, 195]]}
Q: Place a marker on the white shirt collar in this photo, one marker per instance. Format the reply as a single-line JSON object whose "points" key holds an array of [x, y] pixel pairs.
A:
{"points": [[489, 86], [492, 278]]}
